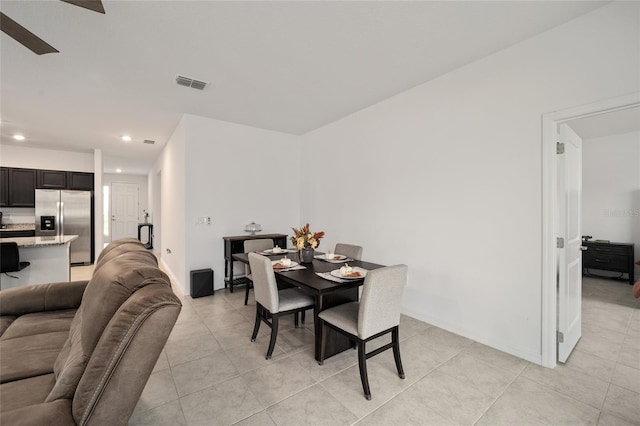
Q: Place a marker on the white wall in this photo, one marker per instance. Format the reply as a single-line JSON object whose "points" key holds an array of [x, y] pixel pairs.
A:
{"points": [[171, 168], [236, 174], [154, 201], [98, 197], [611, 189], [48, 159], [446, 177], [143, 195]]}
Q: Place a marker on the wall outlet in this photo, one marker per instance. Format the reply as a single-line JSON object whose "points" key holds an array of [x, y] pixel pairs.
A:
{"points": [[203, 220]]}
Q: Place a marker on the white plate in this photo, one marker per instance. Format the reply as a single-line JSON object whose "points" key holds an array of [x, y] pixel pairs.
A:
{"points": [[363, 272], [270, 252], [273, 263], [335, 257]]}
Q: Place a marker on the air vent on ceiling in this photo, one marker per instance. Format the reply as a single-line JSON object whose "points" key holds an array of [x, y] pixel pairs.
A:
{"points": [[190, 82], [149, 141]]}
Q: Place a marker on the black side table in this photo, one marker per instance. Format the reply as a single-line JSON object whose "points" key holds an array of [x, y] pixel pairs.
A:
{"points": [[149, 243]]}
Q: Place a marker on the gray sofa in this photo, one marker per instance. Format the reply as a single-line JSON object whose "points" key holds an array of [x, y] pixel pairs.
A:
{"points": [[81, 352]]}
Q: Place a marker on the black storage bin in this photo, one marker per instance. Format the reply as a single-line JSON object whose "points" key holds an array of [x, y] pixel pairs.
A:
{"points": [[201, 283]]}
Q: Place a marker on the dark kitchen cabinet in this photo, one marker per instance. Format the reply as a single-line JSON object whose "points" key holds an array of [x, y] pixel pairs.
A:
{"points": [[17, 186], [16, 234], [4, 187], [22, 185], [80, 181], [51, 179]]}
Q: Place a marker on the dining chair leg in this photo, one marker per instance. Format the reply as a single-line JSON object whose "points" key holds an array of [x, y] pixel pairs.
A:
{"points": [[362, 363], [323, 340], [246, 293], [274, 334], [396, 351], [256, 327]]}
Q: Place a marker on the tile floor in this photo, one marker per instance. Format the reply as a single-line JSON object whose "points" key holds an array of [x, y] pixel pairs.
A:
{"points": [[211, 374]]}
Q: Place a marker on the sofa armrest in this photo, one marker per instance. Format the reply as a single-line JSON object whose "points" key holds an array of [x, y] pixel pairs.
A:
{"points": [[41, 297]]}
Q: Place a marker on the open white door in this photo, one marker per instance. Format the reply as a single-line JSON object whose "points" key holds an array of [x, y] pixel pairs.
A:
{"points": [[570, 228]]}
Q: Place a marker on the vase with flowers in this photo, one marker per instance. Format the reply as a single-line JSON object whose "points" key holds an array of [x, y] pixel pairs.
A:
{"points": [[306, 242]]}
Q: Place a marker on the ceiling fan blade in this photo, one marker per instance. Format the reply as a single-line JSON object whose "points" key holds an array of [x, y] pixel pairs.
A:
{"points": [[95, 5], [24, 36]]}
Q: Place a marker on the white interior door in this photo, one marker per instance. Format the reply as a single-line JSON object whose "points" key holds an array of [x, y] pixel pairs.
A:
{"points": [[570, 256], [124, 210]]}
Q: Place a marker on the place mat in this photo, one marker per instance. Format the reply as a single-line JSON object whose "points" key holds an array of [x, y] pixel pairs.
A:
{"points": [[328, 276], [294, 268]]}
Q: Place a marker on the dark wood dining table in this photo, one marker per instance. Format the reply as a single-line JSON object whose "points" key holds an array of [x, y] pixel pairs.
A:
{"points": [[325, 293]]}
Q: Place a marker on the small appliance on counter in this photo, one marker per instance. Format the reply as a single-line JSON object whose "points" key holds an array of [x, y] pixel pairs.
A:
{"points": [[1, 225]]}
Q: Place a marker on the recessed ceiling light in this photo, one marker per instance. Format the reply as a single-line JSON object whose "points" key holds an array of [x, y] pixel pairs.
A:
{"points": [[18, 137], [118, 170], [126, 138]]}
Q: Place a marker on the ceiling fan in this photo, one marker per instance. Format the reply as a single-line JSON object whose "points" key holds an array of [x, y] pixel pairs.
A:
{"points": [[32, 41]]}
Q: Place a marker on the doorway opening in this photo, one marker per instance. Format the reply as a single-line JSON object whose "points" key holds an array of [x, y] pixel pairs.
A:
{"points": [[551, 222]]}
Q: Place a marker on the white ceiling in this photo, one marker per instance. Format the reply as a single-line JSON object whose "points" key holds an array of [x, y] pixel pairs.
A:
{"points": [[285, 66]]}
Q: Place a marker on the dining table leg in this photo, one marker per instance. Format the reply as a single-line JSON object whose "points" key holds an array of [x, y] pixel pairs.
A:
{"points": [[335, 342], [317, 326]]}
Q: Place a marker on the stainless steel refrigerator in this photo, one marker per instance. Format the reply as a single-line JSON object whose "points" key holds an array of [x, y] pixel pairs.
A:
{"points": [[63, 212]]}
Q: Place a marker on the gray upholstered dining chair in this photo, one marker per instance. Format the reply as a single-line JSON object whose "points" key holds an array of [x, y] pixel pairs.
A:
{"points": [[349, 250], [252, 246], [271, 302], [377, 314]]}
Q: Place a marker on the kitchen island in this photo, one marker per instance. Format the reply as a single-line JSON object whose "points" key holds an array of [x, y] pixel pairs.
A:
{"points": [[49, 258]]}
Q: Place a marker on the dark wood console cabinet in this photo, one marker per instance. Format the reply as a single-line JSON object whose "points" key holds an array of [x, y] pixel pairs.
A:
{"points": [[613, 257], [233, 245]]}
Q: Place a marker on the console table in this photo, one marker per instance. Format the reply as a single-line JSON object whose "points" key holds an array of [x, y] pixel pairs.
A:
{"points": [[234, 245], [149, 243], [614, 257]]}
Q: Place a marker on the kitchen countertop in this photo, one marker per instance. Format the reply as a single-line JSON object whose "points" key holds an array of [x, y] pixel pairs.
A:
{"points": [[18, 227], [40, 241]]}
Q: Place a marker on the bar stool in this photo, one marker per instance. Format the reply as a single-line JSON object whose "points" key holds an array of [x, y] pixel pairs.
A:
{"points": [[10, 259]]}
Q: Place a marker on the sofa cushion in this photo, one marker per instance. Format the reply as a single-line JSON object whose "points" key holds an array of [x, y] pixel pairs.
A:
{"points": [[110, 286], [5, 322], [53, 413], [39, 323], [29, 356], [25, 392]]}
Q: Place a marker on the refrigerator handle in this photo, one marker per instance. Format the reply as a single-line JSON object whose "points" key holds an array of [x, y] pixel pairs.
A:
{"points": [[61, 216]]}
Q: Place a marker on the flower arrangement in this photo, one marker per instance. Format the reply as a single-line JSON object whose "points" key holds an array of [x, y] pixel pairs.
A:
{"points": [[303, 238]]}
